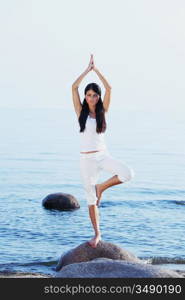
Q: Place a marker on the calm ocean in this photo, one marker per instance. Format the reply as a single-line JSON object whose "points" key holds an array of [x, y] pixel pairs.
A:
{"points": [[39, 155]]}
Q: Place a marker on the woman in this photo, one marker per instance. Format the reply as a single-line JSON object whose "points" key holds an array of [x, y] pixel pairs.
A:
{"points": [[94, 155]]}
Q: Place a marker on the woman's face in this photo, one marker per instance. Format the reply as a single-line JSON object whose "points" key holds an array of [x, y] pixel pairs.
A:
{"points": [[91, 97]]}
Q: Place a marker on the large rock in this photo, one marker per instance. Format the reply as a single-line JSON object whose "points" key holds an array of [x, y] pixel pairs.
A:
{"points": [[60, 201], [109, 268], [84, 252]]}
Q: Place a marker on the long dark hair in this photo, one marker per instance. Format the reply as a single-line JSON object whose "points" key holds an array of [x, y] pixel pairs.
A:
{"points": [[99, 110]]}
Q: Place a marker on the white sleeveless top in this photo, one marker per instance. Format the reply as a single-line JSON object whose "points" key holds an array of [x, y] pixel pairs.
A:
{"points": [[90, 140]]}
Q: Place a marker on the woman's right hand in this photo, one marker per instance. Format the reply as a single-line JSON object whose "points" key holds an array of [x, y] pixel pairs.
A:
{"points": [[90, 66]]}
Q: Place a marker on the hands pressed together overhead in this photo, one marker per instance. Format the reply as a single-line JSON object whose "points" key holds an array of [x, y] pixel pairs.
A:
{"points": [[75, 85], [91, 65]]}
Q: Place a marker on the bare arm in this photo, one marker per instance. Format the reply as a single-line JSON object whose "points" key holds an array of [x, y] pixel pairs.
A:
{"points": [[102, 78], [107, 96], [79, 79], [75, 94]]}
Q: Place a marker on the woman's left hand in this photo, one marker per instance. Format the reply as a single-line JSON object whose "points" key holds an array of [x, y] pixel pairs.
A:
{"points": [[93, 64]]}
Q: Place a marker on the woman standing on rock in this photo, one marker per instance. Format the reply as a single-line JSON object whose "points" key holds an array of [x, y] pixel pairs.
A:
{"points": [[94, 155]]}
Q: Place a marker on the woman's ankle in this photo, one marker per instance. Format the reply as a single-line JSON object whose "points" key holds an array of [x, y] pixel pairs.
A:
{"points": [[98, 233]]}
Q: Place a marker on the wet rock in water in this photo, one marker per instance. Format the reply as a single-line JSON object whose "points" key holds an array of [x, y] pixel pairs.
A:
{"points": [[110, 268], [60, 201], [84, 252]]}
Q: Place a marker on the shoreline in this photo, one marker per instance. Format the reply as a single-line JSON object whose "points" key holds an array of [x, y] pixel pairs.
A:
{"points": [[23, 275], [40, 275]]}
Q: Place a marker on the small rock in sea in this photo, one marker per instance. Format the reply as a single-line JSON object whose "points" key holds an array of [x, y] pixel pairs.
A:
{"points": [[60, 201], [84, 252]]}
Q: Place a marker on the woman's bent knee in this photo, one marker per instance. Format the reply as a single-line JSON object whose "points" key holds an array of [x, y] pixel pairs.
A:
{"points": [[132, 173], [126, 174]]}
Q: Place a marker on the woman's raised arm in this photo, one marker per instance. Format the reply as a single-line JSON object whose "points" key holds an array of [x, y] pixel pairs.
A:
{"points": [[75, 94], [107, 96]]}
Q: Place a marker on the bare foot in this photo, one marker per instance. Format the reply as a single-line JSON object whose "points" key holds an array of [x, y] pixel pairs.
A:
{"points": [[94, 241], [98, 193]]}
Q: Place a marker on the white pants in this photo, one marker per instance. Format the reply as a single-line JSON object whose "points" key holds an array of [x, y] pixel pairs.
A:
{"points": [[91, 165]]}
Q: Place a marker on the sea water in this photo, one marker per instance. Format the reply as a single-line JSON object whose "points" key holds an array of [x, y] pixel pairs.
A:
{"points": [[39, 155]]}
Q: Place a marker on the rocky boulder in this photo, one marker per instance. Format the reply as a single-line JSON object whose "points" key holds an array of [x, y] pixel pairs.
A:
{"points": [[60, 201], [111, 268], [84, 252]]}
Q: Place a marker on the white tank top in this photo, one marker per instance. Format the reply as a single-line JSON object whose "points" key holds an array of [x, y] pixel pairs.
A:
{"points": [[90, 140]]}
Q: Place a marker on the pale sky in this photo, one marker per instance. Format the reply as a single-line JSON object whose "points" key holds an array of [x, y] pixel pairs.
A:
{"points": [[138, 45]]}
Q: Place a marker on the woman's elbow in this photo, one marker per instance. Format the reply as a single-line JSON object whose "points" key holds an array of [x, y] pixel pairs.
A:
{"points": [[74, 86]]}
